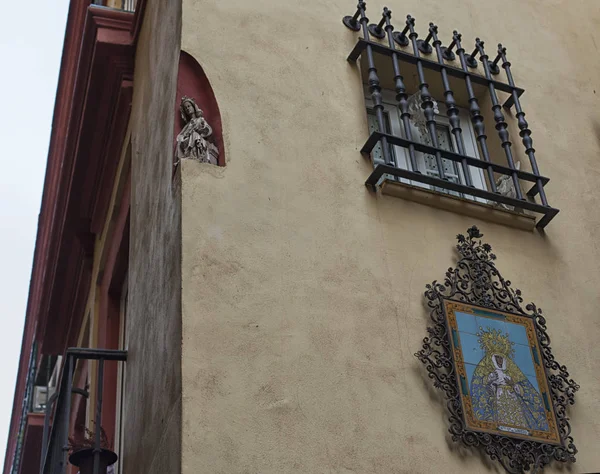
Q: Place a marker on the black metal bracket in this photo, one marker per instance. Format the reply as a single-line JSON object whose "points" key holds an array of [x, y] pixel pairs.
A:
{"points": [[491, 67], [96, 354], [448, 54], [80, 391], [424, 46], [472, 59], [472, 62], [377, 29], [494, 69], [351, 23], [400, 38]]}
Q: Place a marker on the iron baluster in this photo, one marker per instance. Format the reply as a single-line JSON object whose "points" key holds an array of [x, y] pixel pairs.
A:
{"points": [[525, 132], [401, 94], [475, 110], [67, 413], [427, 104], [451, 109], [46, 429], [97, 448], [374, 85], [501, 124]]}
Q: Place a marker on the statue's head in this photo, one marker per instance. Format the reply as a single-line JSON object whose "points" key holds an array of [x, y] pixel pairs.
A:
{"points": [[189, 109]]}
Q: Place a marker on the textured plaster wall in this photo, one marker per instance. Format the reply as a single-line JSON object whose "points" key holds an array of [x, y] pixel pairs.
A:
{"points": [[302, 291], [152, 393]]}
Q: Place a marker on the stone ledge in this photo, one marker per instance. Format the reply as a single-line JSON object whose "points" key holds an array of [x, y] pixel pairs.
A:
{"points": [[467, 207]]}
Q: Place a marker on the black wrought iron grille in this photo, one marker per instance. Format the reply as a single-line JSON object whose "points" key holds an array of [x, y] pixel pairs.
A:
{"points": [[55, 437], [407, 37]]}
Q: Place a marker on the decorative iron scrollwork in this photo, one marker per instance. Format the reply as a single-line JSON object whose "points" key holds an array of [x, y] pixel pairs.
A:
{"points": [[476, 280]]}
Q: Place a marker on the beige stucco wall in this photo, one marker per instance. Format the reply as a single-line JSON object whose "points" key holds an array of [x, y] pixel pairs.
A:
{"points": [[302, 292], [152, 392]]}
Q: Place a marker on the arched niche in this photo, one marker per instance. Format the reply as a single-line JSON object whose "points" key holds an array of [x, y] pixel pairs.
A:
{"points": [[192, 82]]}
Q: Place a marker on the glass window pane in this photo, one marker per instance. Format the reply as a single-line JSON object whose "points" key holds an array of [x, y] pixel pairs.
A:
{"points": [[377, 152], [450, 167]]}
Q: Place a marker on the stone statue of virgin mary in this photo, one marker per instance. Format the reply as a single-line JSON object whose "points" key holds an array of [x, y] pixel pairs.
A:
{"points": [[194, 140]]}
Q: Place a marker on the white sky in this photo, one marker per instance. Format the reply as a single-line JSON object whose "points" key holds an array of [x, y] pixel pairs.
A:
{"points": [[31, 39]]}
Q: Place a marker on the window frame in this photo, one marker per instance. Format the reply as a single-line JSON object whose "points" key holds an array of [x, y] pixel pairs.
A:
{"points": [[400, 153], [121, 373]]}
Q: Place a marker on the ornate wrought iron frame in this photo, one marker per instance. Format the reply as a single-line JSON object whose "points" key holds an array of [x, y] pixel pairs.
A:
{"points": [[476, 280]]}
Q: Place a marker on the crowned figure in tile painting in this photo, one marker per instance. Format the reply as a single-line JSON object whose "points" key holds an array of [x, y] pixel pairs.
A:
{"points": [[500, 392]]}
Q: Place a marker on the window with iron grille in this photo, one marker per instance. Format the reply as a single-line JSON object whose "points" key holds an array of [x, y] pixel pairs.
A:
{"points": [[426, 163], [411, 141]]}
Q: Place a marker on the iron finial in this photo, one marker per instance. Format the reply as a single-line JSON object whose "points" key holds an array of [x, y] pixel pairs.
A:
{"points": [[472, 58], [377, 29], [351, 21], [494, 69], [424, 45], [487, 67], [474, 232], [447, 51]]}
